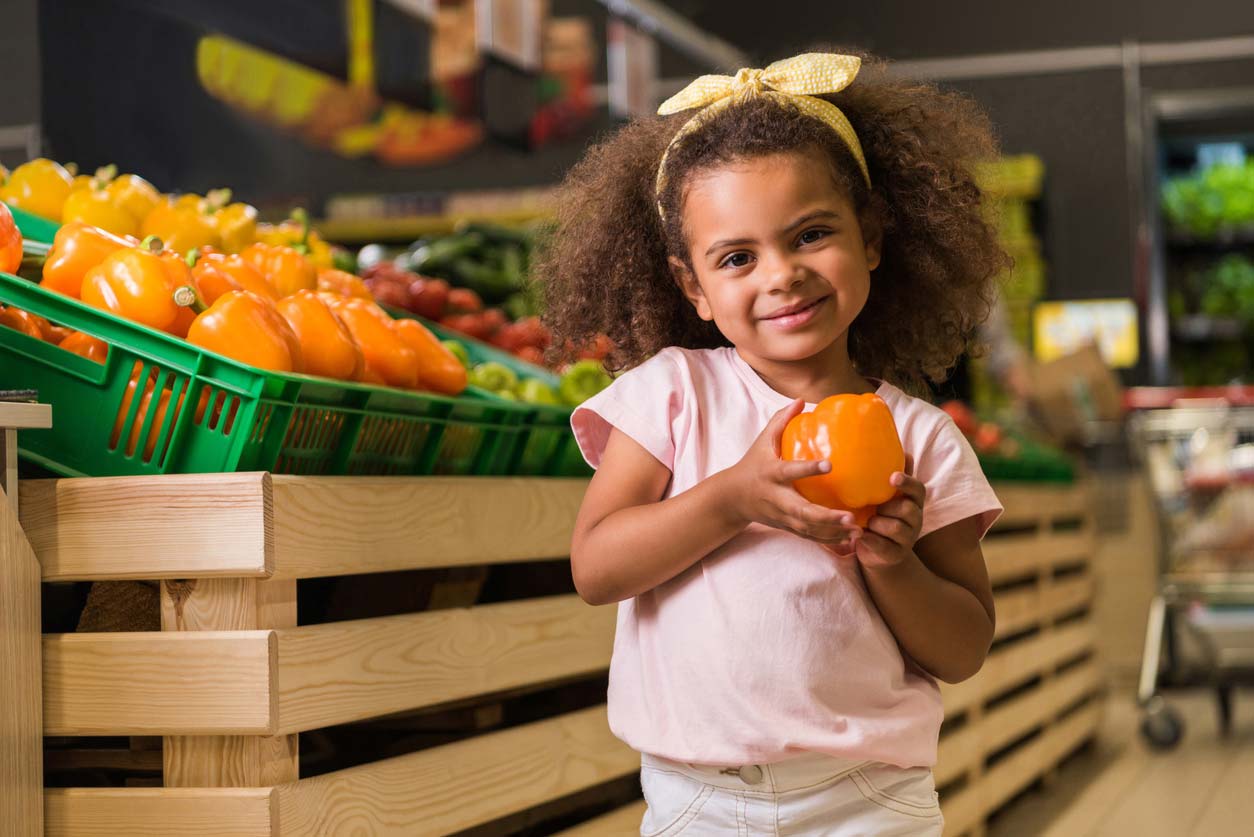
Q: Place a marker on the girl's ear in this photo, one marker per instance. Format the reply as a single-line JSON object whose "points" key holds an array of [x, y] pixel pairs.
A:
{"points": [[687, 282], [872, 238]]}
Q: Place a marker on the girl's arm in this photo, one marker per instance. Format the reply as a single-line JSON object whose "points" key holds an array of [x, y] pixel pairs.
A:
{"points": [[933, 592], [627, 540]]}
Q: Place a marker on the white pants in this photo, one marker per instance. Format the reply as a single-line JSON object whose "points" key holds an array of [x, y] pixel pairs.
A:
{"points": [[810, 795]]}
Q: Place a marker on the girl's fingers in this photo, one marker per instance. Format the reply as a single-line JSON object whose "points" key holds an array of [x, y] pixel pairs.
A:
{"points": [[909, 486], [895, 530], [793, 471], [775, 427], [902, 508], [816, 515]]}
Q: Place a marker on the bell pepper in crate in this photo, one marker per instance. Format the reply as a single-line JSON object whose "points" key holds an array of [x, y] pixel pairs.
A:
{"points": [[134, 194], [138, 284], [494, 377], [10, 242], [216, 273], [245, 327], [39, 187], [86, 346], [342, 283], [439, 370], [582, 381], [76, 249], [284, 268], [857, 434], [94, 205], [327, 346], [184, 224], [237, 224], [29, 324], [388, 358]]}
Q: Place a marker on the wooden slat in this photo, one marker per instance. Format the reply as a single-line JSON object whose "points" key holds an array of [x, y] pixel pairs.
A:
{"points": [[998, 727], [131, 812], [20, 414], [347, 671], [231, 604], [624, 821], [972, 804], [21, 741], [154, 683], [1016, 663], [1030, 504], [1018, 610], [457, 786], [1017, 556], [345, 525], [149, 527]]}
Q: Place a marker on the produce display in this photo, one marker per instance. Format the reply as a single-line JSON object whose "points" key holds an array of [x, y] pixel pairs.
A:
{"points": [[1222, 289], [1006, 452], [1216, 201]]}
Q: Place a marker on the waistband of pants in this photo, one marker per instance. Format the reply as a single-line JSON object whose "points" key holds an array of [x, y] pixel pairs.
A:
{"points": [[791, 774]]}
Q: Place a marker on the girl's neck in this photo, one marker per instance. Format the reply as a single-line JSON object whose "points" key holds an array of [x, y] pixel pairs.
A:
{"points": [[831, 372]]}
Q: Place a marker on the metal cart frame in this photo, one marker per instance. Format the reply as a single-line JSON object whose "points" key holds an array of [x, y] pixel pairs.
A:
{"points": [[1164, 441]]}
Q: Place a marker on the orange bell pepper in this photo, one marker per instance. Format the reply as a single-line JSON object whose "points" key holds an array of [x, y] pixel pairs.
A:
{"points": [[39, 187], [284, 268], [138, 284], [29, 324], [84, 344], [10, 242], [439, 370], [94, 205], [55, 333], [236, 222], [183, 224], [246, 327], [857, 434], [76, 249], [343, 283], [134, 194], [387, 356], [141, 413], [216, 273], [326, 344]]}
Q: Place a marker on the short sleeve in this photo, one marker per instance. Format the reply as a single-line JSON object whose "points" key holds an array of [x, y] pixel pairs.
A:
{"points": [[642, 402], [956, 485]]}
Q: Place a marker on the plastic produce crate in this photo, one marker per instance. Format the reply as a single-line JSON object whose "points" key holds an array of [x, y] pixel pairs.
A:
{"points": [[33, 227], [161, 405], [550, 448]]}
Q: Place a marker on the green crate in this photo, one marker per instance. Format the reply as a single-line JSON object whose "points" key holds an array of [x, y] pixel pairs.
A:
{"points": [[549, 448], [33, 227], [192, 411]]}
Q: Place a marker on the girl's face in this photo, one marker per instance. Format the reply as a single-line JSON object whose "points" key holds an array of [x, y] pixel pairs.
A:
{"points": [[781, 263]]}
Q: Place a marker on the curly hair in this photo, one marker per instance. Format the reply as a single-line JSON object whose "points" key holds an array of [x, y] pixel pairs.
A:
{"points": [[605, 265]]}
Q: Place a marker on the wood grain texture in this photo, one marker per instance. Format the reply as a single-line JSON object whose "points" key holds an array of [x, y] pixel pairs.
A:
{"points": [[457, 786], [21, 723], [1018, 716], [1017, 663], [1030, 504], [1016, 556], [19, 414], [1019, 610], [156, 683], [231, 760], [132, 812], [347, 671], [345, 525], [967, 808], [179, 526], [621, 822]]}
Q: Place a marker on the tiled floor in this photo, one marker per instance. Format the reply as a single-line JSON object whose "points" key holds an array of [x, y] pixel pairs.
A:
{"points": [[1119, 788]]}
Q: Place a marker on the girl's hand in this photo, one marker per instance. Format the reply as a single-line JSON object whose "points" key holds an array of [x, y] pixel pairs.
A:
{"points": [[890, 535], [761, 488]]}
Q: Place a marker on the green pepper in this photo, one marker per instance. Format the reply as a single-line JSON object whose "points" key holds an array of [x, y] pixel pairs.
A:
{"points": [[444, 251], [458, 350], [494, 377], [582, 381], [536, 391]]}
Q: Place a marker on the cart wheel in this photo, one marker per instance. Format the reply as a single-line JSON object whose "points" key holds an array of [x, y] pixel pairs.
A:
{"points": [[1162, 725]]}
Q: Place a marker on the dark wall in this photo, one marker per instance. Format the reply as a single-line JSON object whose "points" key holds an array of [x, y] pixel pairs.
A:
{"points": [[19, 63]]}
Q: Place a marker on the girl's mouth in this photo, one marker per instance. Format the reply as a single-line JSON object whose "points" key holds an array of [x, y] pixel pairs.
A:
{"points": [[795, 316]]}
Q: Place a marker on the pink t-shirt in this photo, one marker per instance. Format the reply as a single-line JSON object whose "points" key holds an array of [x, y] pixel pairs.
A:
{"points": [[769, 647]]}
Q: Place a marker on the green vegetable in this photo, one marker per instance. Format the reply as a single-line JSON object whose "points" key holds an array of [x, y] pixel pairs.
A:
{"points": [[582, 381], [494, 377], [458, 350], [535, 391], [344, 260], [442, 252]]}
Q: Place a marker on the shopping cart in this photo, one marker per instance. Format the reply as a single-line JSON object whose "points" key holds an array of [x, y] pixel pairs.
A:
{"points": [[1200, 463]]}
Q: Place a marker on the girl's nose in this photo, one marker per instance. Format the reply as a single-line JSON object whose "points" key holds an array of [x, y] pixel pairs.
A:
{"points": [[784, 275]]}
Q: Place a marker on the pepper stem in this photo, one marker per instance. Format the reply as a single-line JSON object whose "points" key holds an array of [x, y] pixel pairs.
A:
{"points": [[152, 244], [104, 175], [216, 199], [193, 256], [185, 296], [300, 216]]}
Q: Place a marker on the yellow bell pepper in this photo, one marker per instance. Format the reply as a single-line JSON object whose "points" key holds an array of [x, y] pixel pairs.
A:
{"points": [[134, 194], [295, 233], [183, 224], [94, 205], [39, 187], [236, 222]]}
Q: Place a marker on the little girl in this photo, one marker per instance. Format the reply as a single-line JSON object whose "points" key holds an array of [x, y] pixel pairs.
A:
{"points": [[770, 240]]}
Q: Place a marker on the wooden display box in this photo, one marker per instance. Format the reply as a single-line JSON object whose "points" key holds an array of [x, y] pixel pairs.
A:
{"points": [[232, 678]]}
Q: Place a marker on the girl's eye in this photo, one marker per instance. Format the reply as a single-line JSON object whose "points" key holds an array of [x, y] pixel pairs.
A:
{"points": [[739, 259], [811, 236]]}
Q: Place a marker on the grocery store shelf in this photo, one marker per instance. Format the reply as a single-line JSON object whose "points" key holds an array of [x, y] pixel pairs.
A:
{"points": [[407, 228], [1200, 328], [254, 525], [1219, 243]]}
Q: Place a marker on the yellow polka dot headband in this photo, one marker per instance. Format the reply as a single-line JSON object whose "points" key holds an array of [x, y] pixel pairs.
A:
{"points": [[795, 81]]}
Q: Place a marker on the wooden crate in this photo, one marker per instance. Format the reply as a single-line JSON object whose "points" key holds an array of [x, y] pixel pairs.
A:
{"points": [[232, 679]]}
